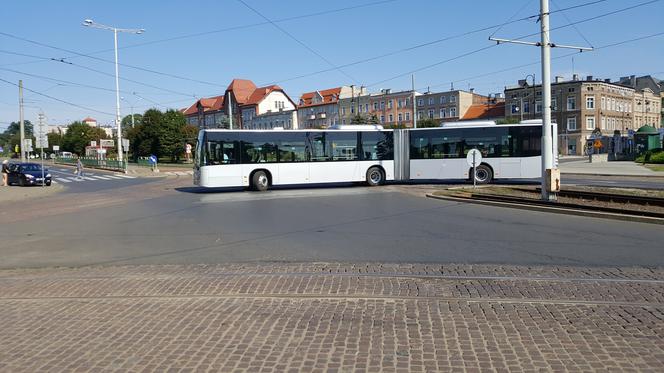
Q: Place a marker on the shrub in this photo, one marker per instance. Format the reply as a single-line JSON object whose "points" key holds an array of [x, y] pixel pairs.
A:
{"points": [[657, 157]]}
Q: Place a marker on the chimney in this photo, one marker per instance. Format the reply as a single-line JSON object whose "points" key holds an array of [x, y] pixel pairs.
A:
{"points": [[387, 91], [522, 83], [608, 80], [589, 78], [559, 79], [575, 77], [472, 90]]}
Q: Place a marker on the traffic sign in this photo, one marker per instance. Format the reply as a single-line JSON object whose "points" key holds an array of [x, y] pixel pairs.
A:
{"points": [[125, 144], [474, 158], [152, 159], [56, 148]]}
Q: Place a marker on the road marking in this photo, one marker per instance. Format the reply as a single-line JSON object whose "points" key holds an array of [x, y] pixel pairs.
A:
{"points": [[73, 179], [88, 178], [113, 177], [101, 177], [64, 180], [126, 176]]}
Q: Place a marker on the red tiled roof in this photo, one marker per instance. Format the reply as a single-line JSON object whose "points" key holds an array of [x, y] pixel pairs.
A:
{"points": [[259, 94], [241, 89], [88, 119], [485, 111], [209, 104], [329, 96]]}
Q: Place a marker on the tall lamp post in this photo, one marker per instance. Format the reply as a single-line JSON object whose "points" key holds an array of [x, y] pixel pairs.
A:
{"points": [[118, 120]]}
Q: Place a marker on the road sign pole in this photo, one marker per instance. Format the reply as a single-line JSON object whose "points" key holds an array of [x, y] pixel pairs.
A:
{"points": [[474, 171]]}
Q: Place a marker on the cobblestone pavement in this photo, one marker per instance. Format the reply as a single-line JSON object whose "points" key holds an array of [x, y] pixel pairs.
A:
{"points": [[320, 317]]}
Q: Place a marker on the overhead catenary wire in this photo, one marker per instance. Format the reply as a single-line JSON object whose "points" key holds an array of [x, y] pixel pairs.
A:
{"points": [[475, 51], [284, 31], [429, 43], [57, 99]]}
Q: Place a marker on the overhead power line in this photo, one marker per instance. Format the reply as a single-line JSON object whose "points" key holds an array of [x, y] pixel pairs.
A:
{"points": [[475, 51], [57, 99], [297, 40], [429, 43]]}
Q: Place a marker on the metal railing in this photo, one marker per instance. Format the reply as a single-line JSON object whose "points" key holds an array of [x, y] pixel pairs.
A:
{"points": [[105, 164]]}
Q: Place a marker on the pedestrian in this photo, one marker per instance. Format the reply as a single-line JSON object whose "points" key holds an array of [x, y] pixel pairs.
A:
{"points": [[5, 172], [79, 169]]}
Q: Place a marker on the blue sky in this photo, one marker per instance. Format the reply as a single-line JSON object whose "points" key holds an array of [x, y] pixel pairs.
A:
{"points": [[265, 54]]}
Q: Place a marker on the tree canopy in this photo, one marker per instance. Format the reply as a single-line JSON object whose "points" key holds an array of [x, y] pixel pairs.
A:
{"points": [[79, 135]]}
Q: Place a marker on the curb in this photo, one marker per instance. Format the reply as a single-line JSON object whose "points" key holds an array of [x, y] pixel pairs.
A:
{"points": [[619, 175], [554, 210]]}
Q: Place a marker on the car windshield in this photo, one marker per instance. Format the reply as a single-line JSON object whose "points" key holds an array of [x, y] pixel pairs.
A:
{"points": [[31, 167]]}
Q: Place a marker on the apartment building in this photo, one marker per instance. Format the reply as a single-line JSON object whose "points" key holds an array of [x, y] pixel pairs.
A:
{"points": [[448, 106], [245, 106], [649, 99], [579, 107], [391, 109], [320, 109]]}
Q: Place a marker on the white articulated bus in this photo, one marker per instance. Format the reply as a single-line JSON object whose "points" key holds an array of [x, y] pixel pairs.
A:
{"points": [[262, 158]]}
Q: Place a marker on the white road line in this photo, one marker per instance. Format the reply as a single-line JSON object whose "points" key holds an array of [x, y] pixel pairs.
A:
{"points": [[101, 177], [88, 178], [126, 176], [113, 177], [73, 179], [63, 180]]}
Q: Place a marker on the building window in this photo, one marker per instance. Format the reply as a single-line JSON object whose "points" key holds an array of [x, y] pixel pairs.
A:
{"points": [[453, 111], [419, 115], [554, 104], [420, 102], [442, 99], [430, 100], [343, 111], [375, 106], [571, 103], [603, 123], [407, 102], [352, 109], [400, 104], [400, 116], [538, 106], [389, 104], [452, 99], [613, 104], [590, 102], [382, 118], [407, 116], [391, 118], [571, 124], [514, 109], [571, 90], [443, 113], [366, 108], [590, 123], [430, 114], [382, 105], [526, 107], [603, 103]]}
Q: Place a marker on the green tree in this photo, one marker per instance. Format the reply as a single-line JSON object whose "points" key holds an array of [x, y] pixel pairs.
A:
{"points": [[79, 135], [427, 123], [126, 121], [15, 128], [55, 138]]}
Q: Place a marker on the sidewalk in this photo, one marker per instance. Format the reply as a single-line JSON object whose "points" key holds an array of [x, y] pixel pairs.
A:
{"points": [[615, 168], [164, 170], [317, 317]]}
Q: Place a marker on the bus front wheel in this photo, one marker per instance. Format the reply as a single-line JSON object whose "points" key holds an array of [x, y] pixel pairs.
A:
{"points": [[483, 174], [260, 181], [375, 176]]}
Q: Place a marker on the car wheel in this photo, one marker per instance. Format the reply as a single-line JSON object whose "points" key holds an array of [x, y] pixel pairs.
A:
{"points": [[375, 176], [260, 181], [21, 181], [483, 174], [48, 183]]}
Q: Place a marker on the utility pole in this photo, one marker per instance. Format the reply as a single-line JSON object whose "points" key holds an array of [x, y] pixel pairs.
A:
{"points": [[21, 124], [547, 140], [412, 81], [230, 111], [41, 145]]}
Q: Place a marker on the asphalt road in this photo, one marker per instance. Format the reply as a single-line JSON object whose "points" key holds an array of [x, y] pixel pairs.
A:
{"points": [[92, 180], [177, 224]]}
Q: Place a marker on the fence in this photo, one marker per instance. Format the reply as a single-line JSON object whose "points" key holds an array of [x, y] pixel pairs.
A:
{"points": [[105, 164]]}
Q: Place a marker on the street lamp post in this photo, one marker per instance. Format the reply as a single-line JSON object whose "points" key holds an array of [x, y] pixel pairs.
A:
{"points": [[131, 106], [118, 120]]}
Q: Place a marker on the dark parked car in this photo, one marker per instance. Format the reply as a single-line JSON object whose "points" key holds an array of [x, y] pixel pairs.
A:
{"points": [[25, 174]]}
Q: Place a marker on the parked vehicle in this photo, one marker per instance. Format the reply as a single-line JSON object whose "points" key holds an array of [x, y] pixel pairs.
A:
{"points": [[25, 174]]}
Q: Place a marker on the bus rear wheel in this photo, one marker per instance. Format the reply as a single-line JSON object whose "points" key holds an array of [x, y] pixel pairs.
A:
{"points": [[483, 174], [375, 176], [260, 181]]}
